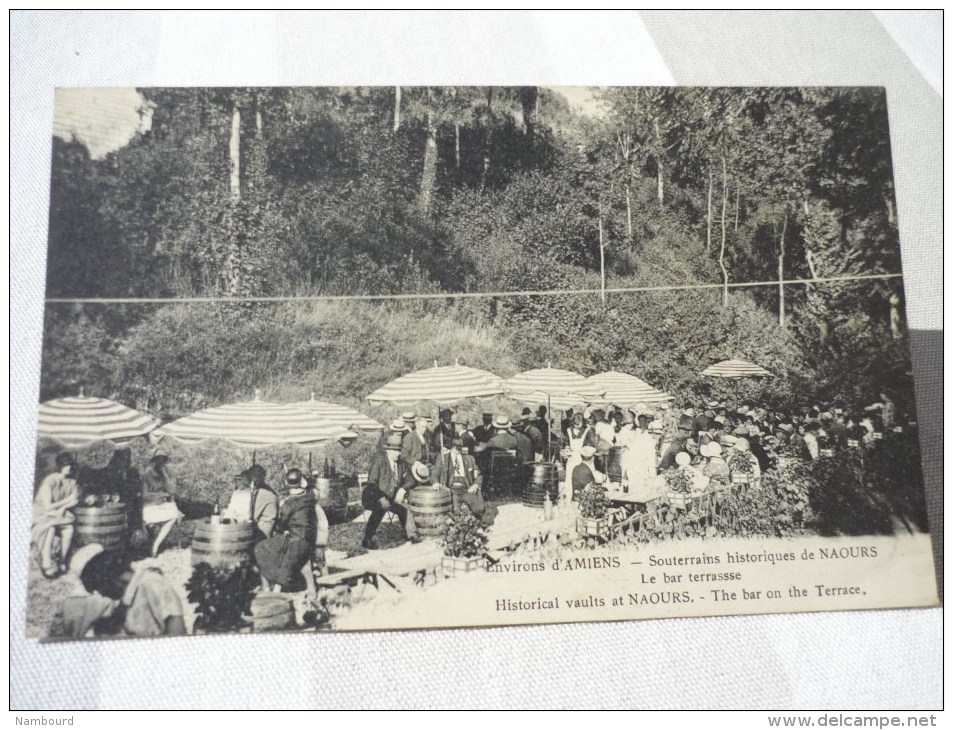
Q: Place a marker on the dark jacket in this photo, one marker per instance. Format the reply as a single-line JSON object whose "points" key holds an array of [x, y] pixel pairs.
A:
{"points": [[443, 472], [668, 458], [381, 476]]}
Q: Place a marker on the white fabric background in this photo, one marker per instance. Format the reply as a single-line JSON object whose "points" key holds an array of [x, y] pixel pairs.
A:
{"points": [[884, 659]]}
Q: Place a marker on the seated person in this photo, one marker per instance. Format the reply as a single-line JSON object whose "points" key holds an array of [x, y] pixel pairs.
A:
{"points": [[386, 475], [158, 499], [253, 503], [52, 515], [287, 554], [585, 473], [459, 473], [138, 602]]}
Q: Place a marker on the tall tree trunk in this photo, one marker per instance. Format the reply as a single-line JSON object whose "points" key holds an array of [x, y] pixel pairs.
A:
{"points": [[784, 229], [896, 330], [396, 108], [660, 167], [429, 178], [528, 100], [486, 138], [724, 228], [602, 258], [711, 185], [891, 210], [628, 210], [231, 268], [235, 155], [737, 206], [456, 143]]}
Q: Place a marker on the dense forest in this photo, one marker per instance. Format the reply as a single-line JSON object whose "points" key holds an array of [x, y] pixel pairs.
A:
{"points": [[302, 192]]}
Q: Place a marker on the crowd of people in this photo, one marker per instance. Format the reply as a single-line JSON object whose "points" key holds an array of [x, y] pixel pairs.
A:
{"points": [[639, 448]]}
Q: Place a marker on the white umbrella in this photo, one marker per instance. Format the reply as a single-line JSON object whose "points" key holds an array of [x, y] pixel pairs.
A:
{"points": [[83, 419], [341, 415], [256, 423], [555, 387], [442, 384], [627, 390], [735, 370], [559, 388]]}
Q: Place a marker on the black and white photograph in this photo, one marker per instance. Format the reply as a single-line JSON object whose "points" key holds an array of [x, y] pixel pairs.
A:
{"points": [[385, 357]]}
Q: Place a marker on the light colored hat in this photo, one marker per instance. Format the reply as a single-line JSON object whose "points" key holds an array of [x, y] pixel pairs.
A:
{"points": [[728, 440], [409, 416], [742, 445], [786, 427], [588, 452], [743, 410], [641, 408], [501, 422], [719, 419], [712, 404], [82, 556], [398, 425], [655, 427], [586, 413], [689, 412], [825, 416], [664, 406], [421, 472], [683, 458], [741, 431], [711, 449]]}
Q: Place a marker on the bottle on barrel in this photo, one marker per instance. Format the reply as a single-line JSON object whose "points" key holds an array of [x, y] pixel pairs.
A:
{"points": [[327, 469], [216, 513], [547, 507], [334, 470]]}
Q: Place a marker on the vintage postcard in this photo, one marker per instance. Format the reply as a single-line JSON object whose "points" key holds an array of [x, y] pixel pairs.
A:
{"points": [[335, 359]]}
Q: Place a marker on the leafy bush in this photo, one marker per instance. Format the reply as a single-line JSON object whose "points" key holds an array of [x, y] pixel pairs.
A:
{"points": [[464, 535], [593, 502], [222, 596]]}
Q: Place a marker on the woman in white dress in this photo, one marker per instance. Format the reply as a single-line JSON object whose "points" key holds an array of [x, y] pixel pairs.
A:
{"points": [[639, 461]]}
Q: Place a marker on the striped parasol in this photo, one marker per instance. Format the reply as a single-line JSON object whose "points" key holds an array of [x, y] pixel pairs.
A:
{"points": [[83, 419], [442, 384], [341, 415], [627, 390], [558, 388], [256, 423], [735, 370]]}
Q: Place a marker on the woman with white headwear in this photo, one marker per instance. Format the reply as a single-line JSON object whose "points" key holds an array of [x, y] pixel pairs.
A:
{"points": [[639, 459]]}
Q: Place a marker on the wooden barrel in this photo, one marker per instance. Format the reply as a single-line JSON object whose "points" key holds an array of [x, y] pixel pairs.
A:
{"points": [[332, 495], [272, 612], [614, 464], [431, 507], [106, 525], [542, 477], [226, 543]]}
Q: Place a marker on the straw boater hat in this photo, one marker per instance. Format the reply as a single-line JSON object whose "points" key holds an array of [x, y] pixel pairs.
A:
{"points": [[728, 440], [711, 450], [501, 422], [786, 427], [408, 416], [398, 425], [587, 452], [421, 472], [82, 556], [690, 412], [712, 404], [742, 445], [664, 406]]}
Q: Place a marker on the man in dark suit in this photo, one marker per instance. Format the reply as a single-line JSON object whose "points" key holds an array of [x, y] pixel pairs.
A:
{"points": [[459, 472], [388, 479], [417, 446], [679, 444]]}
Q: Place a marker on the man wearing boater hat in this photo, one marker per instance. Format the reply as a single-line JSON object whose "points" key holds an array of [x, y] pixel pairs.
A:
{"points": [[459, 472], [386, 475]]}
